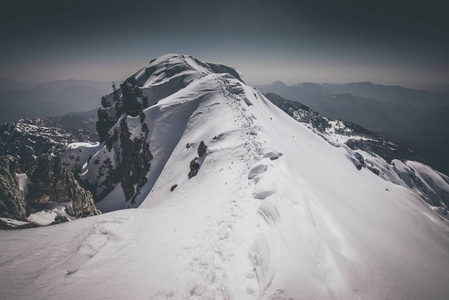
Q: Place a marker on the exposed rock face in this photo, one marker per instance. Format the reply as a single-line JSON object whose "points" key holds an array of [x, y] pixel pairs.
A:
{"points": [[60, 219], [109, 114], [202, 148], [12, 199], [194, 164], [126, 158], [129, 99], [105, 122], [33, 143], [133, 99], [194, 167], [52, 181], [136, 157]]}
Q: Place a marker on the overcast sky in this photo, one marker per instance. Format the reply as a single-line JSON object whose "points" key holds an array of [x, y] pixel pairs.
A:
{"points": [[389, 42]]}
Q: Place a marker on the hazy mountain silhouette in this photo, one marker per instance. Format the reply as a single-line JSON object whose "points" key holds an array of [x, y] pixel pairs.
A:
{"points": [[51, 98]]}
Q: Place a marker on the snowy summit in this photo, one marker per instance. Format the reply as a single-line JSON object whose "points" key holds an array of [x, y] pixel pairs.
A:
{"points": [[236, 200]]}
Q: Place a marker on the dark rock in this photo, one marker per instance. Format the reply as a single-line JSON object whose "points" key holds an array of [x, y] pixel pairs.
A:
{"points": [[194, 167], [12, 199], [142, 117], [360, 158], [69, 210], [60, 219], [173, 188], [202, 148], [109, 114], [136, 157], [133, 99], [375, 171], [105, 123], [360, 162], [52, 181]]}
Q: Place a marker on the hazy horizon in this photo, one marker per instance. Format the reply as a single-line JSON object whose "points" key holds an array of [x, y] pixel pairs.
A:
{"points": [[431, 88], [386, 43]]}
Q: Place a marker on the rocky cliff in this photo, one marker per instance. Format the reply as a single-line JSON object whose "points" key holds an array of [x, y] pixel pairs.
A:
{"points": [[12, 199], [53, 182]]}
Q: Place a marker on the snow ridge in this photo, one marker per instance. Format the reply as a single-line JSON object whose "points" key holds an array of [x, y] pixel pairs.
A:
{"points": [[274, 212]]}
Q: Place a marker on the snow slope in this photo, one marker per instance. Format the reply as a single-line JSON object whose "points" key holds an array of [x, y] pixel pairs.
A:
{"points": [[275, 212]]}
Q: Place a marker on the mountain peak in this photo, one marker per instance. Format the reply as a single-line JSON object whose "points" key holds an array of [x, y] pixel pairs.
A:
{"points": [[236, 200], [278, 83]]}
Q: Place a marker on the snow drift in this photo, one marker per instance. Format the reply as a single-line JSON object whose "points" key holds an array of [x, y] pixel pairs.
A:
{"points": [[275, 211]]}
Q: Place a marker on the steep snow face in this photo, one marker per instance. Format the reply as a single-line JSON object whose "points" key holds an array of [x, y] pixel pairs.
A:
{"points": [[175, 88], [369, 150], [274, 212]]}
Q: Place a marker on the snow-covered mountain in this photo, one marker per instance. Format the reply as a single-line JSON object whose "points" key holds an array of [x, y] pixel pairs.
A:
{"points": [[352, 135], [418, 119], [271, 209], [25, 140]]}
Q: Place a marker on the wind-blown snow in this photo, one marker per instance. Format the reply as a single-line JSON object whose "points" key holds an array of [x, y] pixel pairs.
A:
{"points": [[275, 212]]}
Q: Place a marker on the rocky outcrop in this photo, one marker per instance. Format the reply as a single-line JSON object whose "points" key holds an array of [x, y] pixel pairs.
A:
{"points": [[31, 145], [133, 99], [126, 158], [136, 157], [129, 99], [194, 167], [106, 120], [52, 181], [60, 219], [12, 199], [202, 148], [194, 164]]}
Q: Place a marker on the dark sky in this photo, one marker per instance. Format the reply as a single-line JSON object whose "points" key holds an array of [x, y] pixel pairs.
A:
{"points": [[390, 42]]}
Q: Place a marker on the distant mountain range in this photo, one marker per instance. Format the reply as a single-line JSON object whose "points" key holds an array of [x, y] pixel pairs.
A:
{"points": [[20, 100], [11, 85], [415, 118]]}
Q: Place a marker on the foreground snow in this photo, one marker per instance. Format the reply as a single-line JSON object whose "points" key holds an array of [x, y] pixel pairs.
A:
{"points": [[275, 212]]}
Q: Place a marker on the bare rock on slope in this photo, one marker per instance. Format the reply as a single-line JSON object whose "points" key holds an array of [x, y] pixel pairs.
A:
{"points": [[12, 199], [52, 181]]}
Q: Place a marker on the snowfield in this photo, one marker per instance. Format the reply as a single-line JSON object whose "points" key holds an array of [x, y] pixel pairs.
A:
{"points": [[275, 212]]}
